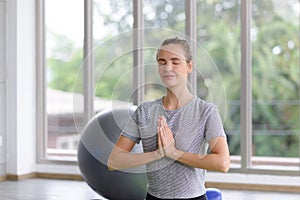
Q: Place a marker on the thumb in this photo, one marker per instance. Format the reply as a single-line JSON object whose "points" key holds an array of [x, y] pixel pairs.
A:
{"points": [[159, 139]]}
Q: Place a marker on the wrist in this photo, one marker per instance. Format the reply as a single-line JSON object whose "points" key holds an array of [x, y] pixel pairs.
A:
{"points": [[158, 154], [175, 155]]}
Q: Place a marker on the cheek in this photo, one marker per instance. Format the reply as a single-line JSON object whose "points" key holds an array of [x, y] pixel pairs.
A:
{"points": [[182, 71], [160, 70]]}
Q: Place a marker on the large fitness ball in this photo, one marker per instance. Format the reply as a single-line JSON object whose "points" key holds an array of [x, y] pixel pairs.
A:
{"points": [[97, 140]]}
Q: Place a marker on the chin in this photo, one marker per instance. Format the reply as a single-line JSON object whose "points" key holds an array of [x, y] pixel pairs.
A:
{"points": [[170, 85]]}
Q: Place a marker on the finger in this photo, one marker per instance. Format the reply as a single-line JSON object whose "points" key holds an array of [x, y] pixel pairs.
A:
{"points": [[168, 134], [163, 136], [168, 138], [161, 131], [159, 121], [165, 129], [163, 119], [165, 122], [159, 144]]}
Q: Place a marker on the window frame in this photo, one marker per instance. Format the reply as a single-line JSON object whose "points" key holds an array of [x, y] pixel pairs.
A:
{"points": [[246, 159]]}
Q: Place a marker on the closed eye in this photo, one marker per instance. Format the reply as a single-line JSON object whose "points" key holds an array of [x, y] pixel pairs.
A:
{"points": [[162, 62], [175, 61]]}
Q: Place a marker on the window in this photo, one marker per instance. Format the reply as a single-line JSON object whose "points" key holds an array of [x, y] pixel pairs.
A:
{"points": [[113, 53], [63, 58], [250, 70], [219, 63], [275, 84]]}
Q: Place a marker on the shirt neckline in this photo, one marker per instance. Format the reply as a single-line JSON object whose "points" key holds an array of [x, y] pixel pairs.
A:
{"points": [[178, 109]]}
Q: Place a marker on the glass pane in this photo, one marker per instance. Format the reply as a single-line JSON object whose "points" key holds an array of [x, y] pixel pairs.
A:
{"points": [[275, 79], [113, 54], [163, 19], [64, 41], [165, 14], [218, 64]]}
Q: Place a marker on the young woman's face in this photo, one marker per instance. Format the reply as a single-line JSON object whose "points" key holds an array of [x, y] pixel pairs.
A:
{"points": [[172, 65]]}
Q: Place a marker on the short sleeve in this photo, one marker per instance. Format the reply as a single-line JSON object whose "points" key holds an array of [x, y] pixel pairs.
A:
{"points": [[214, 126], [131, 129]]}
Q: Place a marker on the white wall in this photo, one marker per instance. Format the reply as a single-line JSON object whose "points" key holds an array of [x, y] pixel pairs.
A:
{"points": [[2, 89], [18, 92], [21, 92]]}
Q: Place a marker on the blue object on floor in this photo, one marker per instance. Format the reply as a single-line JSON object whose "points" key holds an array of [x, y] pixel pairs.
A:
{"points": [[213, 194], [97, 140]]}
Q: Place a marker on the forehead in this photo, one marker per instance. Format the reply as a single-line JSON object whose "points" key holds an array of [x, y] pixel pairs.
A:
{"points": [[171, 51]]}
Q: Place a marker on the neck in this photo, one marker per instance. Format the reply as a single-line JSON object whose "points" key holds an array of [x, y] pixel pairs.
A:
{"points": [[177, 99]]}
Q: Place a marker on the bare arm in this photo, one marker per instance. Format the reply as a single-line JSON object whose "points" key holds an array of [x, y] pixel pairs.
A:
{"points": [[217, 160], [121, 157]]}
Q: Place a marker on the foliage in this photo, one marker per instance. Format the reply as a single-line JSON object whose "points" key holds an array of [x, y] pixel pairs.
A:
{"points": [[63, 63], [275, 64]]}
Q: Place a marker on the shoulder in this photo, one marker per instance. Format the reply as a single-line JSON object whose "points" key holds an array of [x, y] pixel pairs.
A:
{"points": [[147, 110], [149, 104], [204, 105]]}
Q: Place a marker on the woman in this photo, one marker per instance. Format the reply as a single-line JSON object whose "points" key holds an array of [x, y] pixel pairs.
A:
{"points": [[182, 135]]}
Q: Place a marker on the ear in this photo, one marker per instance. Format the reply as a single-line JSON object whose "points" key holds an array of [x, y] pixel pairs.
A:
{"points": [[190, 67]]}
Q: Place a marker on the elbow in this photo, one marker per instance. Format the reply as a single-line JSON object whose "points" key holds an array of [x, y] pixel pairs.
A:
{"points": [[110, 164], [114, 164], [110, 168], [224, 166], [225, 169]]}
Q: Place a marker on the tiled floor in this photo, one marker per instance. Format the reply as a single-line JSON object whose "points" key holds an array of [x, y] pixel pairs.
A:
{"points": [[45, 189]]}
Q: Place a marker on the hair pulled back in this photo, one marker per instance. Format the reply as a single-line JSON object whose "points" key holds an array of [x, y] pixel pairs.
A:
{"points": [[178, 41]]}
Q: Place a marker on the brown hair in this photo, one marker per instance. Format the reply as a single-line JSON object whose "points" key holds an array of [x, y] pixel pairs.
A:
{"points": [[182, 42]]}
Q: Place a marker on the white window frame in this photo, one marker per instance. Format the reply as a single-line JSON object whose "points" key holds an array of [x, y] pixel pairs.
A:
{"points": [[245, 158]]}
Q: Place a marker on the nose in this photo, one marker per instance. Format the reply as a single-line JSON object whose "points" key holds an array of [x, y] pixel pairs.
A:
{"points": [[168, 67]]}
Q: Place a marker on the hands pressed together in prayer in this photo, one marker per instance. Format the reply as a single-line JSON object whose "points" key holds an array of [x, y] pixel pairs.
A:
{"points": [[217, 160], [166, 141]]}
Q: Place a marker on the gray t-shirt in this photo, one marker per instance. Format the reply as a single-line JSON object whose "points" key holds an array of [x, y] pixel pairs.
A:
{"points": [[193, 126]]}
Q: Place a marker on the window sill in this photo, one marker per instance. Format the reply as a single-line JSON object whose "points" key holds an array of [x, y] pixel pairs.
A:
{"points": [[269, 163], [242, 181]]}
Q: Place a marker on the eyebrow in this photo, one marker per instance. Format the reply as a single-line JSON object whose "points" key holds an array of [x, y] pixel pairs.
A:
{"points": [[162, 59]]}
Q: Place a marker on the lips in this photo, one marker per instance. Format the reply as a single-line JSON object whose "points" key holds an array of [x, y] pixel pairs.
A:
{"points": [[169, 76]]}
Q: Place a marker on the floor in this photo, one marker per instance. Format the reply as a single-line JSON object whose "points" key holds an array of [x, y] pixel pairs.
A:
{"points": [[48, 189]]}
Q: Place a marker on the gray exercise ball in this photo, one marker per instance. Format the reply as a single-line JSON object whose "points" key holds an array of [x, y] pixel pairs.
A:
{"points": [[96, 142]]}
